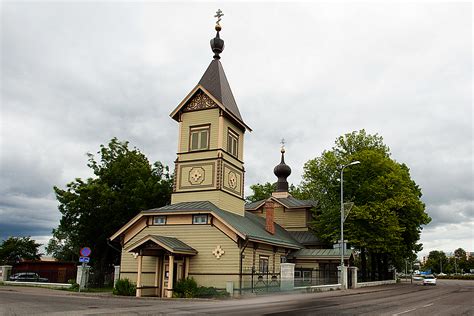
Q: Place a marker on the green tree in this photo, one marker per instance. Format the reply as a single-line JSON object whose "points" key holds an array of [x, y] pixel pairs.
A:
{"points": [[437, 262], [13, 249], [264, 191], [387, 217], [92, 210], [461, 260]]}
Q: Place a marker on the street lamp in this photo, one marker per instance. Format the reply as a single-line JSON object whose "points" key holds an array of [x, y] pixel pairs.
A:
{"points": [[342, 218]]}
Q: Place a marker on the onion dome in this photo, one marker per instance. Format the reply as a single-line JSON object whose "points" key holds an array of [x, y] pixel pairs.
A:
{"points": [[217, 44], [282, 171]]}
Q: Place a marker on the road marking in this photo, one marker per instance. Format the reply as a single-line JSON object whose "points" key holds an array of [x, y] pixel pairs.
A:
{"points": [[410, 310]]}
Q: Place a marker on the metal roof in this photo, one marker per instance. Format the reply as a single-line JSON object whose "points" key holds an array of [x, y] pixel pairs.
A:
{"points": [[289, 202], [215, 81], [306, 238], [250, 225], [171, 244], [320, 253]]}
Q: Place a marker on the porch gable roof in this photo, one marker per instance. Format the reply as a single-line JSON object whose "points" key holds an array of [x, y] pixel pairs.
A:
{"points": [[171, 244]]}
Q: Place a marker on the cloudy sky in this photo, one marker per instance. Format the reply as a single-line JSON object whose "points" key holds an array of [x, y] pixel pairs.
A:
{"points": [[74, 75]]}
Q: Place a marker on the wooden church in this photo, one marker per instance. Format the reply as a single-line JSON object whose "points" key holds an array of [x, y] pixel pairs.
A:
{"points": [[208, 232]]}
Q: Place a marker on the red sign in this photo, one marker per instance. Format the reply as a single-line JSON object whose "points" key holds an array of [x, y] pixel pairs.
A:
{"points": [[85, 252]]}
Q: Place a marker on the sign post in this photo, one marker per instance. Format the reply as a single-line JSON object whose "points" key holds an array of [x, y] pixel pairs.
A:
{"points": [[85, 252]]}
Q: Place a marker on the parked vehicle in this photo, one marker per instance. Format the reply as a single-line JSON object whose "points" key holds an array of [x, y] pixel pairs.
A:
{"points": [[417, 277], [429, 280], [27, 277]]}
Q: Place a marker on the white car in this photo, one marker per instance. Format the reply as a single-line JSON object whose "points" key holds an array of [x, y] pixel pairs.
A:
{"points": [[429, 280]]}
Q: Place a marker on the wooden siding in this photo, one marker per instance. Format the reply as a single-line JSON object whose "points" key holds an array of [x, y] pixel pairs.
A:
{"points": [[290, 218], [264, 250], [203, 238], [226, 230], [179, 219], [209, 116], [228, 124], [221, 199], [132, 231]]}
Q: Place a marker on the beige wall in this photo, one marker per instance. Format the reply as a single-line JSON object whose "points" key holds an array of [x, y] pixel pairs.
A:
{"points": [[209, 116], [203, 238], [228, 124], [294, 219], [220, 199]]}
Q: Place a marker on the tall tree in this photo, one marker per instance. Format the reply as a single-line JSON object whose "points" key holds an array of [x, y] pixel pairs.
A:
{"points": [[387, 217], [264, 191], [92, 210], [437, 262], [14, 249]]}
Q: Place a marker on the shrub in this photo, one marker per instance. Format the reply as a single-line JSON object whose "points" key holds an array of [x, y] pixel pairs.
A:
{"points": [[74, 286], [185, 288], [124, 287], [210, 292]]}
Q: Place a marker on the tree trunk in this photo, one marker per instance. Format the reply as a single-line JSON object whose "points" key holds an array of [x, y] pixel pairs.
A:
{"points": [[363, 264], [373, 266], [379, 267], [385, 266]]}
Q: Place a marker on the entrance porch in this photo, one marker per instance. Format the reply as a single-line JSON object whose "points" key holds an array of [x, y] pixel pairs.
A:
{"points": [[172, 259]]}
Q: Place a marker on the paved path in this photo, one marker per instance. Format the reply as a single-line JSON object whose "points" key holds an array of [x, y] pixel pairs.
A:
{"points": [[449, 297]]}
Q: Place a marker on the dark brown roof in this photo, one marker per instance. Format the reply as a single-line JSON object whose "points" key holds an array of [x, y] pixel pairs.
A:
{"points": [[215, 82]]}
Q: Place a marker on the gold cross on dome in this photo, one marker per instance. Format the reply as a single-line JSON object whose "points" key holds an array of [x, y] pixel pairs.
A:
{"points": [[219, 15]]}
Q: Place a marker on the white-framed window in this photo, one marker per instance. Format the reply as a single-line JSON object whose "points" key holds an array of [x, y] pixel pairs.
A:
{"points": [[297, 274], [199, 137], [232, 143], [200, 219], [263, 264], [159, 220], [306, 276]]}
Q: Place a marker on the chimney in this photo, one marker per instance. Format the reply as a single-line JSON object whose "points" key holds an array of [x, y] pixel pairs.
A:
{"points": [[269, 215]]}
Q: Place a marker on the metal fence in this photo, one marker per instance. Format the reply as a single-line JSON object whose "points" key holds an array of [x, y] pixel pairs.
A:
{"points": [[258, 282], [313, 277]]}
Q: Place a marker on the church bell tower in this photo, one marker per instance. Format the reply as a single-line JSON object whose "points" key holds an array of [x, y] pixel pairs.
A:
{"points": [[209, 164]]}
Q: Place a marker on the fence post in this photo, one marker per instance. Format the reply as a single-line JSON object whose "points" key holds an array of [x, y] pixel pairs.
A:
{"points": [[5, 272], [82, 277], [354, 276], [287, 276], [116, 274]]}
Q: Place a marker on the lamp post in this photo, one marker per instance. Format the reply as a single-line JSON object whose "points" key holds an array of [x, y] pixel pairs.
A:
{"points": [[342, 219]]}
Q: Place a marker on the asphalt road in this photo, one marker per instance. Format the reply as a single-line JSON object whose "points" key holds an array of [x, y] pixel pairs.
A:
{"points": [[449, 297]]}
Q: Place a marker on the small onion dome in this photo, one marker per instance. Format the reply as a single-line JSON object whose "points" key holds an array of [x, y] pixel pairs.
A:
{"points": [[217, 44], [282, 171]]}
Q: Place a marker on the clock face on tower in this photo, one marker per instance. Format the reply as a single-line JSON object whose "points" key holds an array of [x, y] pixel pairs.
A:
{"points": [[196, 175]]}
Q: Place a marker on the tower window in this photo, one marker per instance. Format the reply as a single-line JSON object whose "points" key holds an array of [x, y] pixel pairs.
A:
{"points": [[232, 143], [199, 137]]}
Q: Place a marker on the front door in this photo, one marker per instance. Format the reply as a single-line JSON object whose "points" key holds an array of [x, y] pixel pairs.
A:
{"points": [[178, 273]]}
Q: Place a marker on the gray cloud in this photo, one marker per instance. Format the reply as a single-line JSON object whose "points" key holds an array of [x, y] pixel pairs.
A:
{"points": [[74, 75]]}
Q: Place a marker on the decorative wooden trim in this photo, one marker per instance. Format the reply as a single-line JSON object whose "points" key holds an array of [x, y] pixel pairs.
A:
{"points": [[200, 101], [198, 165]]}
